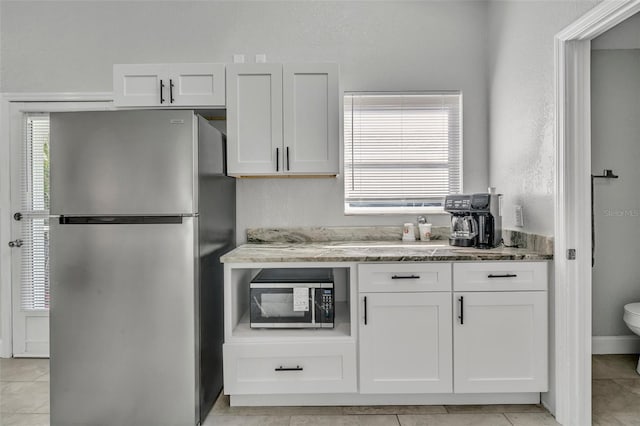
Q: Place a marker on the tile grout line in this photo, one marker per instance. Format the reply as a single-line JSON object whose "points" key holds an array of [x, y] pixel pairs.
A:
{"points": [[509, 420]]}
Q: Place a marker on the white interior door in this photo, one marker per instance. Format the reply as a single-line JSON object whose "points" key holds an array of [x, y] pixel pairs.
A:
{"points": [[30, 234]]}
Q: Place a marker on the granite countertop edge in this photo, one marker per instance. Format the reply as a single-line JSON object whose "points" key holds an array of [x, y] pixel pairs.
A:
{"points": [[367, 251]]}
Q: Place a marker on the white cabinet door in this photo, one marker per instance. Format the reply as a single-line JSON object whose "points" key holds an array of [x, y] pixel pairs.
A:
{"points": [[301, 367], [500, 342], [140, 85], [500, 276], [405, 343], [310, 101], [409, 277], [196, 84], [167, 85], [254, 119]]}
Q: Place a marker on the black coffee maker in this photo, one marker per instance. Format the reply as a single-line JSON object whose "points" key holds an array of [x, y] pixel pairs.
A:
{"points": [[476, 220]]}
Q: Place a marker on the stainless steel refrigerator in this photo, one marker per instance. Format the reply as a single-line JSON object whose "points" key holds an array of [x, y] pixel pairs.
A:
{"points": [[145, 211]]}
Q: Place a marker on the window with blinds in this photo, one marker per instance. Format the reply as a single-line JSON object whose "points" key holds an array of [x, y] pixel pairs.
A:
{"points": [[403, 151], [34, 252]]}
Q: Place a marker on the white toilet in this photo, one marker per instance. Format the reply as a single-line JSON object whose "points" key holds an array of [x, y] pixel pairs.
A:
{"points": [[632, 319]]}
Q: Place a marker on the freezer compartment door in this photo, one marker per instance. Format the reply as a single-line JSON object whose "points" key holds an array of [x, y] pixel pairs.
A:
{"points": [[123, 324], [123, 162]]}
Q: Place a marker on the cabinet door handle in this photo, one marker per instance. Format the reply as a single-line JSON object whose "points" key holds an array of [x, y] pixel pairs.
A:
{"points": [[502, 276], [277, 159], [171, 90], [288, 166], [461, 316], [161, 91], [405, 277], [296, 368], [365, 310]]}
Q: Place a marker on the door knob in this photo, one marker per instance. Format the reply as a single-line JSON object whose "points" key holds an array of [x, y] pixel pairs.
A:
{"points": [[15, 243]]}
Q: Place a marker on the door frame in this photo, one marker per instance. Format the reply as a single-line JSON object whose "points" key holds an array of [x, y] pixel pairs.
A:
{"points": [[572, 207], [10, 105]]}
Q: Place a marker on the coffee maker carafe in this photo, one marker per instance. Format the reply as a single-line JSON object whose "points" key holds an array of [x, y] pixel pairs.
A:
{"points": [[476, 219], [464, 230]]}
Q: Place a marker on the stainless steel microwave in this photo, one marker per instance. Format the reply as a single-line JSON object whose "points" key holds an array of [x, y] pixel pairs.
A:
{"points": [[292, 298]]}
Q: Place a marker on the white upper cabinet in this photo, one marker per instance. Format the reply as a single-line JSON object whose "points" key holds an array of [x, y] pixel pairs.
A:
{"points": [[282, 119], [167, 85], [254, 119], [310, 101]]}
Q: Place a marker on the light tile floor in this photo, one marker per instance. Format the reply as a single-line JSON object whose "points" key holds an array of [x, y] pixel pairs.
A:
{"points": [[24, 401], [616, 390], [24, 392]]}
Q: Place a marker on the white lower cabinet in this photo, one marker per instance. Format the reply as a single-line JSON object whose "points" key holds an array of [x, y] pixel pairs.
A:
{"points": [[305, 367], [500, 342], [448, 329], [405, 343]]}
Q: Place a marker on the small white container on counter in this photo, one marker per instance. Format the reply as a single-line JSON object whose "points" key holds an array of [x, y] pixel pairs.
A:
{"points": [[408, 232], [424, 231]]}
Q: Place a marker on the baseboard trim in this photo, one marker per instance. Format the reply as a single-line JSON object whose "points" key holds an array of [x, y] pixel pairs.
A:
{"points": [[382, 399], [601, 345]]}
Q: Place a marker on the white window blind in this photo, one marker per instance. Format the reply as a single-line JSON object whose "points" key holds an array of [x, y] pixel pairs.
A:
{"points": [[403, 151], [34, 275]]}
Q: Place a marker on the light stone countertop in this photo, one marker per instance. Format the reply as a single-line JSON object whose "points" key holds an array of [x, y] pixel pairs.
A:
{"points": [[369, 251]]}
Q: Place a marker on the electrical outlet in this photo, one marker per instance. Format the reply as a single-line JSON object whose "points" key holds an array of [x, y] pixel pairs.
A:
{"points": [[519, 216], [238, 58], [261, 58]]}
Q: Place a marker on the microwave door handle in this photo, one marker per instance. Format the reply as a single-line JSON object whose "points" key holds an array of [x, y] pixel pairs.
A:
{"points": [[313, 305]]}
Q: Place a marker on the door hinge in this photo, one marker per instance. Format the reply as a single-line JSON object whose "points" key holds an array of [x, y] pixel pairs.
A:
{"points": [[571, 254]]}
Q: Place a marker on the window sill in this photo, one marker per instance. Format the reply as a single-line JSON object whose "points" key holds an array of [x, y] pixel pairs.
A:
{"points": [[396, 211]]}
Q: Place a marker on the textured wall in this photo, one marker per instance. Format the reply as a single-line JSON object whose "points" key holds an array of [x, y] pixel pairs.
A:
{"points": [[71, 46], [615, 114], [521, 62]]}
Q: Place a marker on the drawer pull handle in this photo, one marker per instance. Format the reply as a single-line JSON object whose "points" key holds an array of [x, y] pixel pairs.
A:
{"points": [[296, 368], [502, 276], [405, 277]]}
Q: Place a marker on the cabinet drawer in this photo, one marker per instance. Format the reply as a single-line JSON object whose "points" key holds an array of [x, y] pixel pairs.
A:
{"points": [[257, 368], [406, 277], [500, 276]]}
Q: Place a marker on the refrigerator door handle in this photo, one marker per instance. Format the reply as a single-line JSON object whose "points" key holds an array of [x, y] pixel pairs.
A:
{"points": [[118, 220]]}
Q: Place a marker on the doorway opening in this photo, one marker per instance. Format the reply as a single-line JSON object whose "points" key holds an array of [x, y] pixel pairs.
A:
{"points": [[30, 250], [572, 256], [24, 186]]}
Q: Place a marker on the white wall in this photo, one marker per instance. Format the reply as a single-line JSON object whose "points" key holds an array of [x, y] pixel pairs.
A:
{"points": [[70, 46], [615, 144], [521, 61], [625, 35]]}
